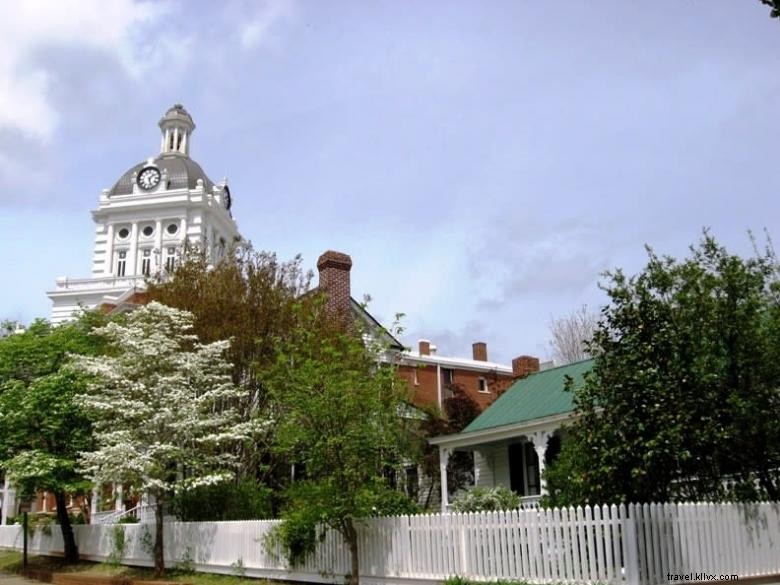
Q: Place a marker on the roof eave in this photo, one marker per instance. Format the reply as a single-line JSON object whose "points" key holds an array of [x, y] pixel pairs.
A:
{"points": [[501, 433]]}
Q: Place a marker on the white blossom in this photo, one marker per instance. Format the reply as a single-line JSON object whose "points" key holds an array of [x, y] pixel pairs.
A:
{"points": [[163, 404]]}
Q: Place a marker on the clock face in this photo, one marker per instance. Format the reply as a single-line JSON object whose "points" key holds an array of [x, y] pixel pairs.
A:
{"points": [[228, 200], [148, 178]]}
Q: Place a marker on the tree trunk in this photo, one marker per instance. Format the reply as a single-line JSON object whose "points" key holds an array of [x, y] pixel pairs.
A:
{"points": [[159, 560], [350, 535], [68, 538]]}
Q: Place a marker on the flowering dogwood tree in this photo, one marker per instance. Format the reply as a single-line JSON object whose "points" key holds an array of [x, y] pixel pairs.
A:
{"points": [[164, 409]]}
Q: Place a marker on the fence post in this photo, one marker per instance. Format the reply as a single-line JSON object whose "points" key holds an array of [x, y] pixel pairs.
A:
{"points": [[630, 546]]}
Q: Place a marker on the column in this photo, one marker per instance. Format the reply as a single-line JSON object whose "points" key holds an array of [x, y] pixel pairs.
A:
{"points": [[118, 505], [444, 459], [183, 231], [540, 446], [184, 143], [109, 268], [6, 501], [163, 141], [158, 235], [94, 504], [132, 255], [176, 139]]}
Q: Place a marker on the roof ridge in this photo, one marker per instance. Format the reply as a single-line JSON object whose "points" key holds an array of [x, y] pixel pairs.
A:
{"points": [[561, 366]]}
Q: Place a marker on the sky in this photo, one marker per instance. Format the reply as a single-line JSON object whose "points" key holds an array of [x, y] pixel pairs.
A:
{"points": [[482, 162]]}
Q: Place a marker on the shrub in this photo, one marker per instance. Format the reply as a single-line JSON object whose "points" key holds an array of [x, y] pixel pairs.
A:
{"points": [[482, 499], [244, 500]]}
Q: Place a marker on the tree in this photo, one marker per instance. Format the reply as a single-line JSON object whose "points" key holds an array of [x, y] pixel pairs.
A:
{"points": [[459, 409], [342, 415], [683, 400], [42, 428], [247, 297], [163, 409], [775, 7], [571, 334], [9, 327]]}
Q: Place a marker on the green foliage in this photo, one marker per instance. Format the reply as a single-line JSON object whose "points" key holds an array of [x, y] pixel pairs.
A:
{"points": [[481, 499], [186, 564], [341, 413], [246, 499], [775, 7], [237, 569], [164, 408], [249, 297], [118, 545], [42, 428], [683, 401], [128, 520], [459, 409]]}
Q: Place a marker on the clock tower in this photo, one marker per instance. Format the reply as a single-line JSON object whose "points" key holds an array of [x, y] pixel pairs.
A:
{"points": [[143, 222]]}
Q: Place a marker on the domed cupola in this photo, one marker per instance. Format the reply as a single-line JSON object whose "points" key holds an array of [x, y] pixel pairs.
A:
{"points": [[176, 126], [172, 168]]}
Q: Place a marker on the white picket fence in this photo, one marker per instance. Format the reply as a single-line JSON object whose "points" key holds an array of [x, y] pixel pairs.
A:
{"points": [[631, 545]]}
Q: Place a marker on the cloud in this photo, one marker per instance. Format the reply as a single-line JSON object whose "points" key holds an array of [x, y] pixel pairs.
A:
{"points": [[264, 17], [112, 27], [533, 258]]}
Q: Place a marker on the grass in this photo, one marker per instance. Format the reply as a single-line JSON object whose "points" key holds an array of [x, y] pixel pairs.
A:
{"points": [[12, 562]]}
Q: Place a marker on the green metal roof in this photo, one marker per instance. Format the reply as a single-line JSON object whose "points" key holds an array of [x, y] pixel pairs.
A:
{"points": [[539, 395]]}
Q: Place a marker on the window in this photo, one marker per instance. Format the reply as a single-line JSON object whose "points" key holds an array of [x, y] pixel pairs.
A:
{"points": [[121, 262], [148, 231], [531, 470], [123, 233], [523, 469], [146, 262], [446, 376], [412, 482], [170, 260], [172, 228], [483, 385]]}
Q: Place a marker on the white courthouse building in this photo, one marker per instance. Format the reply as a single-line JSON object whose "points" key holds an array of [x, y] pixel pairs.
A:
{"points": [[143, 222]]}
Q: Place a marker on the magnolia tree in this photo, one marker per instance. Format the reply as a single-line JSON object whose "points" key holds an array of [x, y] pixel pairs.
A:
{"points": [[164, 409]]}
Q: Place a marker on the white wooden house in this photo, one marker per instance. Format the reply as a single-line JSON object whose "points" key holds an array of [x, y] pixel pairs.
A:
{"points": [[514, 438]]}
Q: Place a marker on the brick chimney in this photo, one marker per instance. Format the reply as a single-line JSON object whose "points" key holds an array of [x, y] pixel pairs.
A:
{"points": [[425, 347], [334, 270], [479, 351], [524, 365]]}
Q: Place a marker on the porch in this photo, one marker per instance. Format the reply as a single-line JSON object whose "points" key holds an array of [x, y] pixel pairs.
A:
{"points": [[514, 457]]}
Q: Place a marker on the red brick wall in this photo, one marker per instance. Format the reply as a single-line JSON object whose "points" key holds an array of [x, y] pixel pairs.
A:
{"points": [[425, 392]]}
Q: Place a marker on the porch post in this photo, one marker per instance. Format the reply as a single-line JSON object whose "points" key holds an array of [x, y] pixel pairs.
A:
{"points": [[93, 506], [540, 446], [118, 496], [444, 458], [5, 502]]}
